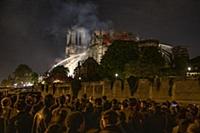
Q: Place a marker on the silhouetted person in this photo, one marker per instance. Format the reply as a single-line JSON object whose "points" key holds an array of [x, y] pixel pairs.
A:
{"points": [[54, 128], [156, 122], [76, 123], [43, 117], [89, 117], [135, 118], [22, 122], [1, 121], [59, 124], [61, 106], [109, 122], [38, 105], [105, 104], [123, 125], [97, 112], [6, 111]]}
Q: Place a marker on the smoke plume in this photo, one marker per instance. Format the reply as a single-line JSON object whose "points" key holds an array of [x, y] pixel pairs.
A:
{"points": [[34, 31]]}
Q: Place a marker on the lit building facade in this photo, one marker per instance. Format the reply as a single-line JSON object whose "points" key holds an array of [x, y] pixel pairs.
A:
{"points": [[81, 44]]}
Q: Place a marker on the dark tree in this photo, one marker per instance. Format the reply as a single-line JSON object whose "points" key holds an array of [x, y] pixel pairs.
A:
{"points": [[151, 61], [88, 71], [195, 63], [117, 55], [23, 74], [58, 73], [181, 60], [22, 70]]}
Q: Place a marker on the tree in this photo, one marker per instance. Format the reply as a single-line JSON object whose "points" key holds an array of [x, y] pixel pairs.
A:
{"points": [[58, 73], [22, 70], [5, 82], [9, 81], [34, 77], [23, 75], [117, 55], [115, 58], [181, 60], [195, 62], [88, 71], [151, 61]]}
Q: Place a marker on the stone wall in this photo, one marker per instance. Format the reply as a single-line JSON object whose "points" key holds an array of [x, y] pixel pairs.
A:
{"points": [[182, 90], [188, 90]]}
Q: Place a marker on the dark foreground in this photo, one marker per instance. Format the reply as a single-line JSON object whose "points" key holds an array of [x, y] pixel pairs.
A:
{"points": [[34, 113]]}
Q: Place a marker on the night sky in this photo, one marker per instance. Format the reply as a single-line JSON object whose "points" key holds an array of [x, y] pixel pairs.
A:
{"points": [[33, 32]]}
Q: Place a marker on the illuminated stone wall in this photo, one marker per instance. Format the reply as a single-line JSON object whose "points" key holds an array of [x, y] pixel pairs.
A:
{"points": [[182, 91]]}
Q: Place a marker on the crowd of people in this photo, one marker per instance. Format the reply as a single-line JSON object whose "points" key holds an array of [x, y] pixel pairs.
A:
{"points": [[34, 113]]}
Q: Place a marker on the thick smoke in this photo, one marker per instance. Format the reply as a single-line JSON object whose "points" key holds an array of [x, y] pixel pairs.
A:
{"points": [[80, 16], [35, 30], [75, 16], [83, 22]]}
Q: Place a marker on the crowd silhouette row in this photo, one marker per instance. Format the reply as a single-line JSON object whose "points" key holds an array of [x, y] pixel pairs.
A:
{"points": [[35, 113]]}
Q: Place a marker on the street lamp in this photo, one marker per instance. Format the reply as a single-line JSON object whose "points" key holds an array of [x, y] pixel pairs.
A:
{"points": [[189, 68], [116, 75]]}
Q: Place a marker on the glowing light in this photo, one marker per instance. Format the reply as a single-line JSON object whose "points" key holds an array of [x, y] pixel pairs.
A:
{"points": [[72, 62], [116, 75], [28, 84], [43, 82], [57, 81], [189, 68], [23, 84], [78, 40], [15, 85], [40, 79]]}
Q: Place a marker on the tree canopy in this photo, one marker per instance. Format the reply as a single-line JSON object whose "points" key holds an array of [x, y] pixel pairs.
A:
{"points": [[23, 75], [150, 62], [181, 60], [117, 55], [131, 58], [88, 70], [58, 73]]}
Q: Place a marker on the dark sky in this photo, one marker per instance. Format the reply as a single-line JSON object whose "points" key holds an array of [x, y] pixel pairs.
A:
{"points": [[33, 31]]}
